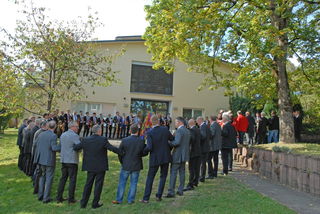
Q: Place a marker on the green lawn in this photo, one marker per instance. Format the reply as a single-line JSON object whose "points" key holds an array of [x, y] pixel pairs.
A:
{"points": [[222, 195], [296, 148]]}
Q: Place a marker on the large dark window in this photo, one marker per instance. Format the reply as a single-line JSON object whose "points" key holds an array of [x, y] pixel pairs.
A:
{"points": [[149, 106], [145, 79]]}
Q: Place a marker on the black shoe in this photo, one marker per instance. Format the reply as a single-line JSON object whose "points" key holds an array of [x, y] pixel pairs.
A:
{"points": [[230, 169], [201, 179], [47, 201], [40, 199], [188, 188], [180, 193], [196, 185], [169, 196], [97, 206], [158, 199], [72, 201]]}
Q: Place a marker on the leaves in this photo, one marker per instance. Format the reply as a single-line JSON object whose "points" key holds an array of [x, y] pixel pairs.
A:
{"points": [[57, 59]]}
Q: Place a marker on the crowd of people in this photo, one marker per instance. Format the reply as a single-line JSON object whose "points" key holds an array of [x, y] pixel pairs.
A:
{"points": [[197, 142]]}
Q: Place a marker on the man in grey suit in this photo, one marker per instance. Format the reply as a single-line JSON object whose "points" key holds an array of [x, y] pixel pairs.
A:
{"points": [[69, 161], [46, 157], [180, 155], [215, 147]]}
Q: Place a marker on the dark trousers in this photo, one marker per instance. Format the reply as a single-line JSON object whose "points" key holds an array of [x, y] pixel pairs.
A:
{"points": [[241, 135], [86, 130], [203, 168], [194, 171], [20, 158], [150, 178], [68, 170], [213, 169], [115, 130], [80, 128], [230, 159], [225, 154], [36, 178], [261, 137], [128, 130], [107, 130], [123, 131], [97, 178]]}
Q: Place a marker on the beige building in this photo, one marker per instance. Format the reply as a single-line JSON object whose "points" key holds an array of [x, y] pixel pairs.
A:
{"points": [[143, 89]]}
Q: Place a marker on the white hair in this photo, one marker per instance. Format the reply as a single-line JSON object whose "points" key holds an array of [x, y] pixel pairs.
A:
{"points": [[226, 116]]}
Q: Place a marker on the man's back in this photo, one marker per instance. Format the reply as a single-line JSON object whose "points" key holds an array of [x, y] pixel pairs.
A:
{"points": [[158, 145], [132, 147], [67, 140], [205, 138], [216, 139], [46, 148], [181, 142], [195, 149], [95, 157]]}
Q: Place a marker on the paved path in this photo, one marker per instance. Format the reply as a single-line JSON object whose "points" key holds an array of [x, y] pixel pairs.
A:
{"points": [[301, 202]]}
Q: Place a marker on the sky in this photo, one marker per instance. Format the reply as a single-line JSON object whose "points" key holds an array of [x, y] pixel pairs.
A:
{"points": [[120, 17]]}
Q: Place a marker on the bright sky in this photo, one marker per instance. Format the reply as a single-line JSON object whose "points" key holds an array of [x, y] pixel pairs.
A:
{"points": [[120, 17]]}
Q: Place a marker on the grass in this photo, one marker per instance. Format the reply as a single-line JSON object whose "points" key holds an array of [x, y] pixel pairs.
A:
{"points": [[222, 195], [309, 149]]}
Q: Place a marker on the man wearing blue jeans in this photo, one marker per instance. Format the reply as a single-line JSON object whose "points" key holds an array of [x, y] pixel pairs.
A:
{"points": [[273, 128], [132, 147]]}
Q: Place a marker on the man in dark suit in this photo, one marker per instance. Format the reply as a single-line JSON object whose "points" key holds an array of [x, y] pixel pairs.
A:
{"points": [[46, 148], [67, 119], [215, 147], [95, 162], [229, 141], [81, 122], [250, 131], [195, 153], [87, 124], [160, 157], [19, 142], [180, 155], [132, 147], [205, 147]]}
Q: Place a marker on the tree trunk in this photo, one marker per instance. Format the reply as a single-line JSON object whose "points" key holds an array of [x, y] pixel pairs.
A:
{"points": [[49, 105], [284, 101]]}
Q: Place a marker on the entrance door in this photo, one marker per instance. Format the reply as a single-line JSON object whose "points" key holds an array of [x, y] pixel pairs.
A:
{"points": [[149, 106]]}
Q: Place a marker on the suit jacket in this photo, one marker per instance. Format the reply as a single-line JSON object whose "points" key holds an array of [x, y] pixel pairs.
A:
{"points": [[95, 153], [229, 136], [262, 125], [158, 146], [20, 134], [205, 138], [132, 147], [195, 148], [297, 123], [180, 152], [216, 139], [67, 140], [242, 123], [47, 147], [27, 141], [251, 124]]}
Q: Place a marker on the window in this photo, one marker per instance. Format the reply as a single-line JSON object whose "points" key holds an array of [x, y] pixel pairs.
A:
{"points": [[145, 79], [149, 106], [84, 107], [191, 113]]}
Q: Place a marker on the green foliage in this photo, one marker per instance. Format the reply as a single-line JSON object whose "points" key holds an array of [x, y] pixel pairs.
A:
{"points": [[11, 94], [56, 58], [284, 149], [241, 103], [255, 38], [222, 195]]}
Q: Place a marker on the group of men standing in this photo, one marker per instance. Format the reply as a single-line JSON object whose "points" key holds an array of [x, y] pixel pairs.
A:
{"points": [[196, 142], [113, 127]]}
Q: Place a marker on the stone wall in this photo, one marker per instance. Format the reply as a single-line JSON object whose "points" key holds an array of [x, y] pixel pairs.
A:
{"points": [[297, 171]]}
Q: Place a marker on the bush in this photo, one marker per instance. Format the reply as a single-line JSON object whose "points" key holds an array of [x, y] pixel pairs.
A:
{"points": [[284, 149]]}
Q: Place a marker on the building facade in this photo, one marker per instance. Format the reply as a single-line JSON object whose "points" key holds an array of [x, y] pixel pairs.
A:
{"points": [[142, 89]]}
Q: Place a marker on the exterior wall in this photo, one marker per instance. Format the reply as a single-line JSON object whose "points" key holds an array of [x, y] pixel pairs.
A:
{"points": [[185, 94]]}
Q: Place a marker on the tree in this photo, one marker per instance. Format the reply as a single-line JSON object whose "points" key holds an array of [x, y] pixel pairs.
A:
{"points": [[255, 37], [56, 58], [11, 94]]}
